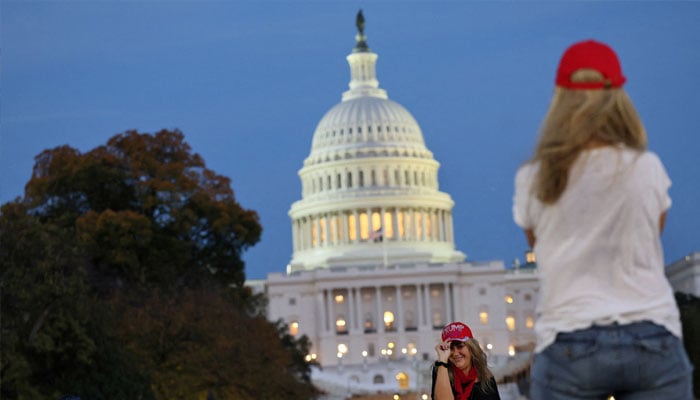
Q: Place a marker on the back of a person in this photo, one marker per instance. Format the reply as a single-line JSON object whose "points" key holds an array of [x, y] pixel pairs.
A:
{"points": [[599, 249], [592, 203]]}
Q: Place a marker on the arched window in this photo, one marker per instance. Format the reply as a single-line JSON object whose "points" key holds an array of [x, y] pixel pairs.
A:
{"points": [[402, 379], [378, 380]]}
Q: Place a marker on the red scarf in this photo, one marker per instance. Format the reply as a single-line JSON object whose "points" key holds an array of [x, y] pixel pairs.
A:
{"points": [[464, 383]]}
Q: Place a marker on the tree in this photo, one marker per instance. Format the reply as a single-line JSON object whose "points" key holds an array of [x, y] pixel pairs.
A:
{"points": [[196, 344], [148, 211], [52, 331], [125, 280]]}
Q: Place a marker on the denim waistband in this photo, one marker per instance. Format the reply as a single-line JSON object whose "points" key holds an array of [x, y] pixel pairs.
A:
{"points": [[636, 330]]}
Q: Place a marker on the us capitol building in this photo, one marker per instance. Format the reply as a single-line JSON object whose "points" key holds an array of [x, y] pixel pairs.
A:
{"points": [[375, 274]]}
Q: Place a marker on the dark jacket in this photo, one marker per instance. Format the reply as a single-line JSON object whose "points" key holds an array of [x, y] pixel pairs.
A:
{"points": [[477, 393]]}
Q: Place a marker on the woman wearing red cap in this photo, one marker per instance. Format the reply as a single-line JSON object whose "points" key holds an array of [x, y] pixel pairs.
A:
{"points": [[593, 201], [461, 373]]}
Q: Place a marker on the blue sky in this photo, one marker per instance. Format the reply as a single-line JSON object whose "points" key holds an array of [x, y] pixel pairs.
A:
{"points": [[247, 82]]}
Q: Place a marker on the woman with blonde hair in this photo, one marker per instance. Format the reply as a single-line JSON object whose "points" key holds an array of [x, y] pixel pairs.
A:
{"points": [[592, 202], [461, 372]]}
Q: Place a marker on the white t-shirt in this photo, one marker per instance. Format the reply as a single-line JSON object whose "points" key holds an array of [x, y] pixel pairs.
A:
{"points": [[599, 255]]}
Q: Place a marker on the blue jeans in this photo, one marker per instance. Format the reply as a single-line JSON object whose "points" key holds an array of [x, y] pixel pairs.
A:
{"points": [[639, 361]]}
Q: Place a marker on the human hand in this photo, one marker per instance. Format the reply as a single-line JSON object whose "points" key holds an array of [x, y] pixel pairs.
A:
{"points": [[443, 351]]}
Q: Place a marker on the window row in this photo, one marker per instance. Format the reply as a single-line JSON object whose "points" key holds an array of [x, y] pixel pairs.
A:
{"points": [[528, 319], [369, 177], [374, 225], [370, 132], [385, 309]]}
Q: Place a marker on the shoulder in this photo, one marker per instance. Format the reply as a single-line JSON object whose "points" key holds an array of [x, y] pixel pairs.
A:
{"points": [[525, 176], [650, 159], [641, 158], [526, 171]]}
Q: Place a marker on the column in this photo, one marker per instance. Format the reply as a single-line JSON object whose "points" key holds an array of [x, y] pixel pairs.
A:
{"points": [[351, 322], [424, 215], [357, 226], [420, 302], [448, 306], [399, 310], [307, 233], [450, 232], [331, 314], [428, 310], [346, 233], [322, 324], [379, 321], [442, 226]]}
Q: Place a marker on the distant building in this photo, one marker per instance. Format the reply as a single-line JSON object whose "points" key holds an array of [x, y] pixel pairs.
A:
{"points": [[684, 274], [375, 274]]}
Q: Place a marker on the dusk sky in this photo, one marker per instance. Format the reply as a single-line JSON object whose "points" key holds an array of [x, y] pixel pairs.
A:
{"points": [[247, 82]]}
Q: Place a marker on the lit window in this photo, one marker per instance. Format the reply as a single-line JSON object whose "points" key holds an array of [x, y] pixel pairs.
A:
{"points": [[364, 226], [530, 257], [529, 322], [294, 328], [339, 298], [388, 319], [402, 379], [389, 231], [352, 227], [376, 221], [484, 318], [340, 325], [322, 230], [509, 299], [510, 322], [314, 236]]}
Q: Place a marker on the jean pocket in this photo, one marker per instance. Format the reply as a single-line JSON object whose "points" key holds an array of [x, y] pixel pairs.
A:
{"points": [[657, 345], [567, 350]]}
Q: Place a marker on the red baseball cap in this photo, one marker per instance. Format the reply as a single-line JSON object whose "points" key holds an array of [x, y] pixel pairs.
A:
{"points": [[594, 55], [456, 331]]}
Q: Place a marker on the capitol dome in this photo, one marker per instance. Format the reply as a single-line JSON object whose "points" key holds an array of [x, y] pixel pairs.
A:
{"points": [[370, 192]]}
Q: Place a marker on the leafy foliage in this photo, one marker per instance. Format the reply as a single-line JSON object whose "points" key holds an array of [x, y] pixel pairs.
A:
{"points": [[197, 344], [123, 278], [147, 209]]}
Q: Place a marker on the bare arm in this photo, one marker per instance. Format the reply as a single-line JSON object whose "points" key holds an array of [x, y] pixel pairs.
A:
{"points": [[443, 388]]}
